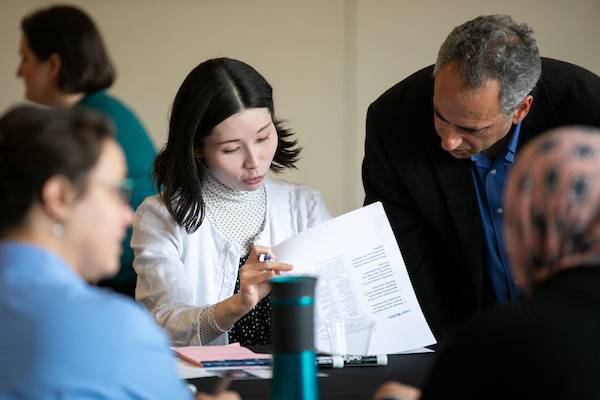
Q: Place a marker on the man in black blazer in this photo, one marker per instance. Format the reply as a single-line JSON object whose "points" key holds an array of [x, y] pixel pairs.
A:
{"points": [[439, 145]]}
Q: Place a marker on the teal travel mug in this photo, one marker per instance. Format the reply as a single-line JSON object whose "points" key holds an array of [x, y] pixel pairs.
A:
{"points": [[294, 367]]}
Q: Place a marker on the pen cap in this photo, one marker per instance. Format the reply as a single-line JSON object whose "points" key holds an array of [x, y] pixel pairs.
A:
{"points": [[292, 299]]}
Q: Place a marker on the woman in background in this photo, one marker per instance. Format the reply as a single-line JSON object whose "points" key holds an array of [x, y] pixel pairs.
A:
{"points": [[545, 346], [64, 64], [197, 244]]}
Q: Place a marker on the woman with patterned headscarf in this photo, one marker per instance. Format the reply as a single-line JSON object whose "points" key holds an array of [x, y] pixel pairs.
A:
{"points": [[552, 220], [545, 346]]}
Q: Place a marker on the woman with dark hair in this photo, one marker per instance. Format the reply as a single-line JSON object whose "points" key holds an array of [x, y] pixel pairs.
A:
{"points": [[544, 346], [64, 64], [198, 244], [63, 214]]}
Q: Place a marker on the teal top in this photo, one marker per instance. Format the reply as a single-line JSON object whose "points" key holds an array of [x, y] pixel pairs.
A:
{"points": [[140, 153]]}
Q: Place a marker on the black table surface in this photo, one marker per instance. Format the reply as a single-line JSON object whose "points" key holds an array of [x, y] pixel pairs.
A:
{"points": [[342, 383]]}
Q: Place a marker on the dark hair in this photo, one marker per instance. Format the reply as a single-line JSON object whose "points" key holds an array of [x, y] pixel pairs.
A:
{"points": [[38, 143], [494, 47], [212, 92], [72, 35]]}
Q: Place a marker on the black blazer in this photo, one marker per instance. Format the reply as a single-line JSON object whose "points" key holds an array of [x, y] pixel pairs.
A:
{"points": [[428, 195]]}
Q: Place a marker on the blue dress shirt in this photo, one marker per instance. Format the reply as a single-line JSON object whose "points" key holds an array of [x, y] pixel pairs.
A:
{"points": [[61, 338], [489, 179]]}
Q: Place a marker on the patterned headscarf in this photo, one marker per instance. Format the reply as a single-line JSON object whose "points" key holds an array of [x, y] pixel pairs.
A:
{"points": [[552, 205]]}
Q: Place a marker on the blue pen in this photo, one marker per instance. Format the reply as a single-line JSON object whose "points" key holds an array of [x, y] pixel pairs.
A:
{"points": [[263, 257], [250, 362]]}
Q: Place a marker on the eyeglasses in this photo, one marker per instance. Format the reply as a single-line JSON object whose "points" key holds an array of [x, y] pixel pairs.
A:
{"points": [[123, 189]]}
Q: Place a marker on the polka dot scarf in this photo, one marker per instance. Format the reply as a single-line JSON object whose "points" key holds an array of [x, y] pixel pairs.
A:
{"points": [[552, 204], [238, 215]]}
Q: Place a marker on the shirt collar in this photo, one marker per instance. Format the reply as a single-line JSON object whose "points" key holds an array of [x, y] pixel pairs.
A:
{"points": [[511, 147], [482, 160], [213, 189]]}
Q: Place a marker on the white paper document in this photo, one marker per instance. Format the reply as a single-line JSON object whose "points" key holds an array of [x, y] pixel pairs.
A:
{"points": [[362, 279]]}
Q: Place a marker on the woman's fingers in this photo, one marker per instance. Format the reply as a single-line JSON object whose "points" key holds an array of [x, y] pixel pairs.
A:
{"points": [[252, 274], [257, 277], [269, 265], [283, 267]]}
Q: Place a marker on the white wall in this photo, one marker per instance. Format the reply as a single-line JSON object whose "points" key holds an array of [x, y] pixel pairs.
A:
{"points": [[327, 60]]}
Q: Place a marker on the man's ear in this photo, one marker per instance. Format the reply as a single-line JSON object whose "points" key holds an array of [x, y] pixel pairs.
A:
{"points": [[57, 197], [522, 109], [55, 66]]}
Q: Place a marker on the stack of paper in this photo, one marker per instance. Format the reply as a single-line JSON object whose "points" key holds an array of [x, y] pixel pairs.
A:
{"points": [[231, 355]]}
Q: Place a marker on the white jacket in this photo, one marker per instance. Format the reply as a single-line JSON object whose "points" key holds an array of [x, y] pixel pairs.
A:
{"points": [[181, 274]]}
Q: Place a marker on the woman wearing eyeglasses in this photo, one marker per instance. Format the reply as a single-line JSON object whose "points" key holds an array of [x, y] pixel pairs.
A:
{"points": [[63, 215]]}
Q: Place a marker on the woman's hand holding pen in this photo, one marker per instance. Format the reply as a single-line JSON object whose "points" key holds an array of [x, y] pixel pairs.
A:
{"points": [[254, 286], [255, 275]]}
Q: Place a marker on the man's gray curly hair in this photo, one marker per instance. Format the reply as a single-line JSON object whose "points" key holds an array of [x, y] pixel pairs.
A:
{"points": [[494, 47]]}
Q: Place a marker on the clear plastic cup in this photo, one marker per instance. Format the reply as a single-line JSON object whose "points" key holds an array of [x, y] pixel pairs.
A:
{"points": [[349, 336]]}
